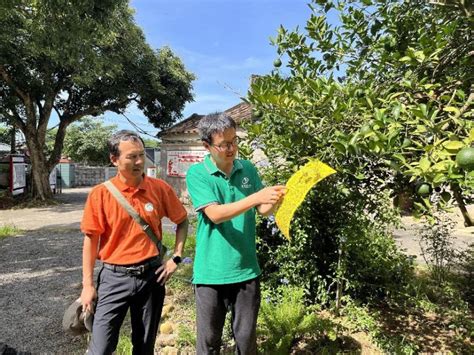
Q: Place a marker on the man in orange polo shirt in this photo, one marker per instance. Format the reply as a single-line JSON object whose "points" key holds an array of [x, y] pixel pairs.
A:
{"points": [[130, 276]]}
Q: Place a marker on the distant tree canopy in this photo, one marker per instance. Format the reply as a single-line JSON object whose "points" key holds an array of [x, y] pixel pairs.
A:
{"points": [[5, 135], [86, 142], [80, 60], [151, 143]]}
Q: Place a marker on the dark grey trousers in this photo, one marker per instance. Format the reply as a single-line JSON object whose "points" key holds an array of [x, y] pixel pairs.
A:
{"points": [[117, 292], [212, 304]]}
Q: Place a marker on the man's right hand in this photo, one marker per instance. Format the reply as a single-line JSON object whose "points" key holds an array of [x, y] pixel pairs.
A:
{"points": [[88, 296], [271, 195]]}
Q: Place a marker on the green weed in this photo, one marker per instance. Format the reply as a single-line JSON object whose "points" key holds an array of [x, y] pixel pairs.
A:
{"points": [[186, 336], [287, 320], [8, 231], [124, 346]]}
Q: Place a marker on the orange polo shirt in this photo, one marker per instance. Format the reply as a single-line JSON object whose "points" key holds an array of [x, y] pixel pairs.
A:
{"points": [[122, 241]]}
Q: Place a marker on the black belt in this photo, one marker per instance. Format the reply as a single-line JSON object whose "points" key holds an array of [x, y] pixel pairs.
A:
{"points": [[134, 270]]}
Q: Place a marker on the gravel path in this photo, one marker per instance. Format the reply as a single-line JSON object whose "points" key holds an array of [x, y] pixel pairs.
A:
{"points": [[41, 275]]}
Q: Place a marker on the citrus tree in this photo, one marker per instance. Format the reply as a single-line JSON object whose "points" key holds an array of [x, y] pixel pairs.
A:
{"points": [[387, 90], [80, 60]]}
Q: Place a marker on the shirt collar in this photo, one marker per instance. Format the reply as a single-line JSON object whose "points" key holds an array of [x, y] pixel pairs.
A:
{"points": [[213, 169], [124, 187]]}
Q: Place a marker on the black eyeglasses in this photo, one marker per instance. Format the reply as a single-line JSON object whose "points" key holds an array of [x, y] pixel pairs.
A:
{"points": [[227, 145]]}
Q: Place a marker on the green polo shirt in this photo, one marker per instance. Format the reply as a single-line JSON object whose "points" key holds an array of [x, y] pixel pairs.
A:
{"points": [[225, 252]]}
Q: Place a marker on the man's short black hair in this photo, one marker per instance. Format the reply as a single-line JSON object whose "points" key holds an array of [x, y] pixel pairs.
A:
{"points": [[214, 123], [123, 135]]}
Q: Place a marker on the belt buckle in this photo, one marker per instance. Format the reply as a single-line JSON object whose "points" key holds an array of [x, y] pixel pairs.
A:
{"points": [[136, 270]]}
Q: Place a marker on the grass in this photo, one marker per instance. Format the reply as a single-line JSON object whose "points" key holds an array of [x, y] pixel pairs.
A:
{"points": [[8, 231], [124, 346]]}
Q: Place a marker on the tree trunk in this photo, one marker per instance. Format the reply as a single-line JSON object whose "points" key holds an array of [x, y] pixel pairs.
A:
{"points": [[39, 170], [12, 141], [468, 222]]}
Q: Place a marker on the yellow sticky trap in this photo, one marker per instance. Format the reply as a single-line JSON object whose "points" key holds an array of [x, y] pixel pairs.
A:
{"points": [[297, 188]]}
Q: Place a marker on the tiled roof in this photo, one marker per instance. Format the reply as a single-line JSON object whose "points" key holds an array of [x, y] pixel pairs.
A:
{"points": [[186, 126], [239, 112]]}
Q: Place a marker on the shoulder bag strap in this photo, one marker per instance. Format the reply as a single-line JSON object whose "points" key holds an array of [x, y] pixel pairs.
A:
{"points": [[136, 217]]}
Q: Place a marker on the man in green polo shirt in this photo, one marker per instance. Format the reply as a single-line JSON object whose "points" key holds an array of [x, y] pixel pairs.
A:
{"points": [[226, 192]]}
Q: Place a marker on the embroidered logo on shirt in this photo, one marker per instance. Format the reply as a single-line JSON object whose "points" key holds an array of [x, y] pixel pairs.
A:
{"points": [[246, 183], [149, 207]]}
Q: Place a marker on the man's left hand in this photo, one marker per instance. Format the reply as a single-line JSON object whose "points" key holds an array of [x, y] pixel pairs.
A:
{"points": [[165, 271]]}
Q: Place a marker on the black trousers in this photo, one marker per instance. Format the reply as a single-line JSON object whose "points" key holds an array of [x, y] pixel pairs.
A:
{"points": [[212, 304], [118, 292]]}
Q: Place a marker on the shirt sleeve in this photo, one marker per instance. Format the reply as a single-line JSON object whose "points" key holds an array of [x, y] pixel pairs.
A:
{"points": [[93, 220], [173, 207], [200, 190]]}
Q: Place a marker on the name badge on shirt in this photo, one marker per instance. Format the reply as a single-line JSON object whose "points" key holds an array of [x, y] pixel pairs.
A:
{"points": [[149, 207]]}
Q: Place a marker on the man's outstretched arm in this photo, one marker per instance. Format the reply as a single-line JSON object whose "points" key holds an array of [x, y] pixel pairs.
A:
{"points": [[267, 196]]}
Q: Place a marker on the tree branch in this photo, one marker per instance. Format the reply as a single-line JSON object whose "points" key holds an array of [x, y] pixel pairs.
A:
{"points": [[58, 143], [57, 112], [92, 111], [6, 77], [45, 112], [17, 120], [468, 103]]}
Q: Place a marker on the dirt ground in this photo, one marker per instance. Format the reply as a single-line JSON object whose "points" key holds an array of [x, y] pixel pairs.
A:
{"points": [[40, 272]]}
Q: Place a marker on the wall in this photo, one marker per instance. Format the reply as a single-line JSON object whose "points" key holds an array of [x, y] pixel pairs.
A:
{"points": [[185, 142], [67, 173], [90, 175], [178, 182]]}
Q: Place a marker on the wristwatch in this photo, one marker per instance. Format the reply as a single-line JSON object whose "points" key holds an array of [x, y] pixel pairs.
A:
{"points": [[176, 259]]}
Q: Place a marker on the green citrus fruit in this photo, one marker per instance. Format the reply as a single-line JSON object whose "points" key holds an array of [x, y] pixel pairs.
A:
{"points": [[277, 63], [424, 190], [465, 158]]}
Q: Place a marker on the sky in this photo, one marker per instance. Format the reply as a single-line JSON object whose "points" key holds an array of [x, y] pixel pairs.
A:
{"points": [[222, 42]]}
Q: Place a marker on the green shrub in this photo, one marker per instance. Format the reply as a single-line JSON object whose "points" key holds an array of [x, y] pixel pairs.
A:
{"points": [[437, 245], [339, 235], [285, 320]]}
